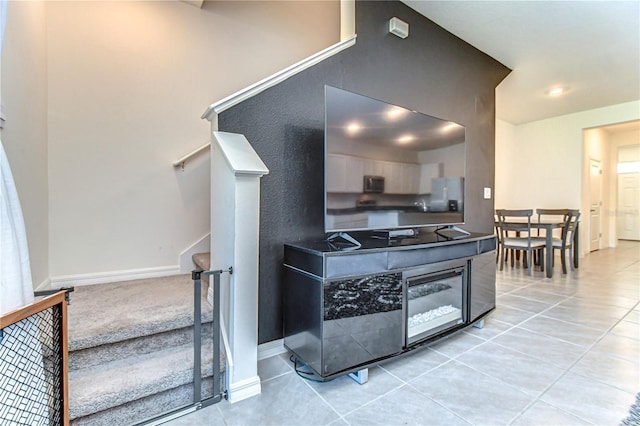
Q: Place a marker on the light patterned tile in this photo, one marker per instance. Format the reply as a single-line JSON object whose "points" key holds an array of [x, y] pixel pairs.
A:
{"points": [[617, 372], [476, 397], [542, 413], [284, 400], [523, 303], [633, 316], [581, 316], [589, 399], [345, 395], [557, 352], [492, 328], [627, 329], [529, 374], [572, 333], [272, 367], [404, 406], [534, 293], [510, 315], [594, 305], [617, 301], [619, 347], [416, 363], [457, 344]]}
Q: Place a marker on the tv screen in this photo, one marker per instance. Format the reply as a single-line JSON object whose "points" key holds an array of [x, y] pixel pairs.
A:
{"points": [[388, 167]]}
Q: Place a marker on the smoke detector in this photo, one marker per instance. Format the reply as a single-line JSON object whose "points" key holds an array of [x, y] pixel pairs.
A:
{"points": [[398, 27]]}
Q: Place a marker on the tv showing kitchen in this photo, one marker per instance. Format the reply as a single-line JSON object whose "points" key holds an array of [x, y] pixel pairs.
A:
{"points": [[388, 167]]}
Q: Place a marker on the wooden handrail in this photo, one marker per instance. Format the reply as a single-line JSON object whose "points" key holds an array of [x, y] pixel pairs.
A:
{"points": [[26, 311]]}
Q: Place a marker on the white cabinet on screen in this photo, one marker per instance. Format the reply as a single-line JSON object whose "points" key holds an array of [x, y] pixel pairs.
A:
{"points": [[344, 173], [428, 172], [392, 177], [401, 178], [410, 178], [373, 167]]}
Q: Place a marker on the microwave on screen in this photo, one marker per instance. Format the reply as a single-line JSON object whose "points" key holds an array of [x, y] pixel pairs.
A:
{"points": [[373, 184]]}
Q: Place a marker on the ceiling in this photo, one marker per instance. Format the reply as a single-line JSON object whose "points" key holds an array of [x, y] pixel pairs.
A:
{"points": [[360, 119], [591, 48]]}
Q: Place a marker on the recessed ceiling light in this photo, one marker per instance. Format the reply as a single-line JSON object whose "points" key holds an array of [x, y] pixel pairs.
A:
{"points": [[556, 91], [353, 128], [450, 126], [405, 138], [395, 113]]}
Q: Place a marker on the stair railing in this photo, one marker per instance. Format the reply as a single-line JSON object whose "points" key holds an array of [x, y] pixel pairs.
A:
{"points": [[34, 367], [218, 393]]}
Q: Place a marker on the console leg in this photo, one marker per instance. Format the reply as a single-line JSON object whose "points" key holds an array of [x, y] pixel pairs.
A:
{"points": [[360, 376], [479, 324]]}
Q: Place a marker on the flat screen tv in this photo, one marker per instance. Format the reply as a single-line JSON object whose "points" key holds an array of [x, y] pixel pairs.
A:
{"points": [[388, 167]]}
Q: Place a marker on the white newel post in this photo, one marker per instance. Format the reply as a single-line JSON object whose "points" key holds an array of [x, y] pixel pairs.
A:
{"points": [[236, 170]]}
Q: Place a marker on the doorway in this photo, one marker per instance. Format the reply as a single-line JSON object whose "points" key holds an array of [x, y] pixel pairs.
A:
{"points": [[628, 202], [628, 171], [595, 204]]}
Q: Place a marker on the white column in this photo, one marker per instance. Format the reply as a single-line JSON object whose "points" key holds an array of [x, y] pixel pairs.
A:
{"points": [[236, 170]]}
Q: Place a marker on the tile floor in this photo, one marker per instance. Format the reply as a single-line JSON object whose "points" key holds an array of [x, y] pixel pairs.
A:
{"points": [[561, 351]]}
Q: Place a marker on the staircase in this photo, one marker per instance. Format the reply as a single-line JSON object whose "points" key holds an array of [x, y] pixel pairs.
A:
{"points": [[131, 350]]}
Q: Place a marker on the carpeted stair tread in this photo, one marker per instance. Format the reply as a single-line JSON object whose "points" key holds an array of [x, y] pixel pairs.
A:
{"points": [[145, 408], [96, 356], [107, 313], [95, 389], [202, 260], [131, 349]]}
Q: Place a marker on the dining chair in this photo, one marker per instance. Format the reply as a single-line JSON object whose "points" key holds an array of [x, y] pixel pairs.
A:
{"points": [[560, 214], [498, 238], [566, 240], [551, 213], [519, 222], [500, 251]]}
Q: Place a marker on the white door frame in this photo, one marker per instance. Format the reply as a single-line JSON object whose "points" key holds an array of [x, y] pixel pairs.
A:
{"points": [[595, 206]]}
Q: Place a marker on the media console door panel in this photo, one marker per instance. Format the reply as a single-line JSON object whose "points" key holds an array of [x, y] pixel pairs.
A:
{"points": [[302, 316], [483, 288], [362, 321]]}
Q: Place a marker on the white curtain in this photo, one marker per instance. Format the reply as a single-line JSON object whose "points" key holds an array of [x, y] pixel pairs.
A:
{"points": [[23, 395], [15, 272]]}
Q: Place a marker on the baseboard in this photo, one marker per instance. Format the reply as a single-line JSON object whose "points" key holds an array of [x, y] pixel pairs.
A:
{"points": [[44, 285], [203, 245], [269, 349], [245, 389], [113, 276]]}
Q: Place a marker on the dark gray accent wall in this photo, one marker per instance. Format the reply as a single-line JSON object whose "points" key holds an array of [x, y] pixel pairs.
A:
{"points": [[431, 71]]}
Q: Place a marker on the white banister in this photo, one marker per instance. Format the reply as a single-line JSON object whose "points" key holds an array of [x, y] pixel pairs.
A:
{"points": [[235, 224], [180, 162]]}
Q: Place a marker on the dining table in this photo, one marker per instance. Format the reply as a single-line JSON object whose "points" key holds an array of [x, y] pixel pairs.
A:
{"points": [[549, 224]]}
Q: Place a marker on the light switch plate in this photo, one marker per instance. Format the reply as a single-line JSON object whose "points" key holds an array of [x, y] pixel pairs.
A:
{"points": [[487, 193]]}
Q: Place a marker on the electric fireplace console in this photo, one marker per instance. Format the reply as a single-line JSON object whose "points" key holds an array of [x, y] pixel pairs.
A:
{"points": [[347, 308]]}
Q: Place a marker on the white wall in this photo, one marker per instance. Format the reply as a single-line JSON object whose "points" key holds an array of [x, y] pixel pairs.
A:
{"points": [[127, 83], [540, 164], [24, 137], [505, 190], [452, 159]]}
